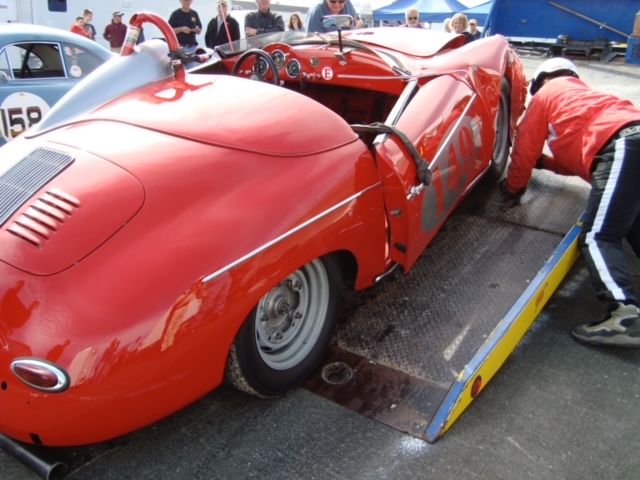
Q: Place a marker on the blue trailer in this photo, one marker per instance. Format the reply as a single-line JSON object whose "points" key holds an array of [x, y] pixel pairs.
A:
{"points": [[583, 20], [571, 27]]}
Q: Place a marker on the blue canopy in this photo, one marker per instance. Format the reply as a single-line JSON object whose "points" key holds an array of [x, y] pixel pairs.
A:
{"points": [[430, 10], [480, 12]]}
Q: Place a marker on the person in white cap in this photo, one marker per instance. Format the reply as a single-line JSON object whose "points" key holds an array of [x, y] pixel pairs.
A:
{"points": [[473, 28], [596, 136], [223, 28], [115, 32]]}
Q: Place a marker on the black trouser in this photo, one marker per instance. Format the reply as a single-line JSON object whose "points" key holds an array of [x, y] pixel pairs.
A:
{"points": [[613, 214]]}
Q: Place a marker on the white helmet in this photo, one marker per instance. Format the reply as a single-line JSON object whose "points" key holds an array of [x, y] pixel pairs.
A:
{"points": [[554, 67]]}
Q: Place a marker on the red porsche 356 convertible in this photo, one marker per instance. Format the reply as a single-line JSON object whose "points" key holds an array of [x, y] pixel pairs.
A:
{"points": [[165, 228]]}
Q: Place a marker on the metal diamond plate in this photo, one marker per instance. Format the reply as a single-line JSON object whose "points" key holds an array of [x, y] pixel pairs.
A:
{"points": [[429, 323]]}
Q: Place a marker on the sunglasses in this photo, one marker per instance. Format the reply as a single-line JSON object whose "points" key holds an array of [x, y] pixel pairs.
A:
{"points": [[337, 1], [412, 18]]}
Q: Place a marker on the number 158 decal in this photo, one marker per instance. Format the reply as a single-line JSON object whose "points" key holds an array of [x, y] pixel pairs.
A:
{"points": [[19, 112]]}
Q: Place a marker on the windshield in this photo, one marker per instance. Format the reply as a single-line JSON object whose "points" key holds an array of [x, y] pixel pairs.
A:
{"points": [[261, 41], [412, 41]]}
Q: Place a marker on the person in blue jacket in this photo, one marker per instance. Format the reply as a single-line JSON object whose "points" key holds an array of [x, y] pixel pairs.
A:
{"points": [[328, 7]]}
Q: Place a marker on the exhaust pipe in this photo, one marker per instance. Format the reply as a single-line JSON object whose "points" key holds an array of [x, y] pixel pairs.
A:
{"points": [[34, 458]]}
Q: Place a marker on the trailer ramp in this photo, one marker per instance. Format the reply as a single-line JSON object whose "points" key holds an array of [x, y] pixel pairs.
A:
{"points": [[414, 351]]}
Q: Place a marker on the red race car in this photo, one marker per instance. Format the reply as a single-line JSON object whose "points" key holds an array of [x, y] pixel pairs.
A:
{"points": [[164, 228]]}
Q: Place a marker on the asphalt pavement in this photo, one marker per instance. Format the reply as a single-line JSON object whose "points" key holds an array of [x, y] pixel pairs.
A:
{"points": [[556, 410]]}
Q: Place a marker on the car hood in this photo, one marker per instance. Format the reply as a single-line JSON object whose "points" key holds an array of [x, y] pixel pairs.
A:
{"points": [[46, 206], [234, 113], [225, 111]]}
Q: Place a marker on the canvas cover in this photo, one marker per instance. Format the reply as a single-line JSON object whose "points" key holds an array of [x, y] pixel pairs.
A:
{"points": [[433, 11]]}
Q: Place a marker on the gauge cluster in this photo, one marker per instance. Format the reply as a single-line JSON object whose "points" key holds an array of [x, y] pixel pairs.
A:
{"points": [[261, 67], [291, 66], [278, 58]]}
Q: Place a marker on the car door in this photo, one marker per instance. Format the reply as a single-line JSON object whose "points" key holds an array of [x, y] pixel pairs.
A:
{"points": [[33, 76], [450, 127]]}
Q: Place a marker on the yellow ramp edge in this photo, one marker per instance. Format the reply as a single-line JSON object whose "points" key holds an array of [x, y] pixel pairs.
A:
{"points": [[506, 336]]}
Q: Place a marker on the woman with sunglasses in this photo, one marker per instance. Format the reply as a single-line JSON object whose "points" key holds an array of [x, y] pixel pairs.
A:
{"points": [[328, 7], [413, 18]]}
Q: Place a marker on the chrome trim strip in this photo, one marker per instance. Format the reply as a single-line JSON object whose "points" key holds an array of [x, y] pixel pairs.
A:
{"points": [[384, 275], [445, 143], [397, 110], [403, 100], [411, 76], [258, 250]]}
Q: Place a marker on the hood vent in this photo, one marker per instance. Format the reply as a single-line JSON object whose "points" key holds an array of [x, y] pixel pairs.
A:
{"points": [[44, 216], [27, 177]]}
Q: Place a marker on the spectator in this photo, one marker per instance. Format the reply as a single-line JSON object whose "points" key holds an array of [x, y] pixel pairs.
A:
{"points": [[88, 26], [186, 23], [447, 25], [328, 7], [263, 20], [413, 18], [295, 23], [459, 23], [223, 28], [78, 27], [596, 136], [473, 28], [115, 32]]}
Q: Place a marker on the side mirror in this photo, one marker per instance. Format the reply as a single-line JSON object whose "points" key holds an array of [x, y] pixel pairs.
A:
{"points": [[337, 21], [4, 78]]}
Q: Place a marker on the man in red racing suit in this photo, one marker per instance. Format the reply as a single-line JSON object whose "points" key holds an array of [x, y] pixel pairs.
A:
{"points": [[596, 136]]}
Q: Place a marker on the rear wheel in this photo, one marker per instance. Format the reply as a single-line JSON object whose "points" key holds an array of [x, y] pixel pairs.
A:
{"points": [[284, 339], [503, 141]]}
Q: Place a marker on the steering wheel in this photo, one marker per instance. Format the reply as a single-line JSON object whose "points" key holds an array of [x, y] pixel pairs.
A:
{"points": [[256, 52]]}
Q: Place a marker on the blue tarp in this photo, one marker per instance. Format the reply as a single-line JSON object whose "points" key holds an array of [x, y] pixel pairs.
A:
{"points": [[580, 19], [430, 10], [480, 12]]}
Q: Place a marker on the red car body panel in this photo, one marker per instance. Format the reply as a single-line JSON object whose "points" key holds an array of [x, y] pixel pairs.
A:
{"points": [[187, 201]]}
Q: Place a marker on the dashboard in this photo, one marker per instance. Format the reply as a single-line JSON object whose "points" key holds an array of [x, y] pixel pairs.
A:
{"points": [[321, 63]]}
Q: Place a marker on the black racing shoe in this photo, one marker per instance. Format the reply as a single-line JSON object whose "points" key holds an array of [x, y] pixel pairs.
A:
{"points": [[621, 328]]}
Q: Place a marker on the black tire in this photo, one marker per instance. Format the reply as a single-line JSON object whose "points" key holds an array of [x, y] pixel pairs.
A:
{"points": [[284, 339], [502, 144]]}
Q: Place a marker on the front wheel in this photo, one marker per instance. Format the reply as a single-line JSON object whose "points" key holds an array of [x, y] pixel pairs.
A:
{"points": [[284, 339], [502, 142]]}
